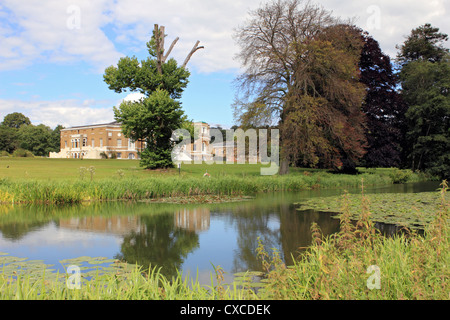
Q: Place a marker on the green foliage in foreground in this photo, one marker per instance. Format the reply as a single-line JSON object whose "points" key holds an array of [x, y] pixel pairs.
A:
{"points": [[411, 266]]}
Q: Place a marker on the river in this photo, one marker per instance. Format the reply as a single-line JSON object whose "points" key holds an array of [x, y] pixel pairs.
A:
{"points": [[190, 238]]}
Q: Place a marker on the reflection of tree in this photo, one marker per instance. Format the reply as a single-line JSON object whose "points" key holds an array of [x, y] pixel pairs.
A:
{"points": [[290, 229], [158, 244], [18, 230], [254, 219], [295, 229]]}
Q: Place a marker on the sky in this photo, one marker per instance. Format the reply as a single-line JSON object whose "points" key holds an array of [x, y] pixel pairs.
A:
{"points": [[53, 53]]}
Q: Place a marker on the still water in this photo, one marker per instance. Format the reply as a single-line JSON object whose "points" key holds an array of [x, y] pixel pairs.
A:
{"points": [[190, 238]]}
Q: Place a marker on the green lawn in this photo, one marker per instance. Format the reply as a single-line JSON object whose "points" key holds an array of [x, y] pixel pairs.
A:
{"points": [[57, 169]]}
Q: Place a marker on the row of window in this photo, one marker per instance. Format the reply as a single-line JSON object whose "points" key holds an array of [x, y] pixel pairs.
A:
{"points": [[78, 143], [203, 147], [78, 155]]}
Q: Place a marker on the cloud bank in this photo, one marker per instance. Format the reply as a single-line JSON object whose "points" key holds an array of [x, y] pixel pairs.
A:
{"points": [[99, 32]]}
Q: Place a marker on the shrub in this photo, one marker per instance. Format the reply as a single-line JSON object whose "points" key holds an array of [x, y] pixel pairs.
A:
{"points": [[22, 153], [400, 176]]}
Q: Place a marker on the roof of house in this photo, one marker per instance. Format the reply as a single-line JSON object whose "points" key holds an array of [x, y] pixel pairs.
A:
{"points": [[114, 123]]}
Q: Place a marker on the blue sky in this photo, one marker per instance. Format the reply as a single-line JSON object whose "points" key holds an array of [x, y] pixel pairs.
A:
{"points": [[53, 52]]}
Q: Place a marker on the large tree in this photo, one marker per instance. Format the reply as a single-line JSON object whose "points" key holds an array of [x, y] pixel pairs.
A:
{"points": [[301, 66], [425, 81], [153, 118], [8, 139], [37, 139], [383, 106], [15, 120]]}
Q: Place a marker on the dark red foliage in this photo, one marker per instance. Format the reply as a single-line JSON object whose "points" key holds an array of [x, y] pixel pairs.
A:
{"points": [[383, 107]]}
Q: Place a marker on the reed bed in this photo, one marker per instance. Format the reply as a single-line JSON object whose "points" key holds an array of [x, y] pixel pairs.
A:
{"points": [[68, 191]]}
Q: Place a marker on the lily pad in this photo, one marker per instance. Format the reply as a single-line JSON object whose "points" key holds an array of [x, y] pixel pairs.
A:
{"points": [[412, 210]]}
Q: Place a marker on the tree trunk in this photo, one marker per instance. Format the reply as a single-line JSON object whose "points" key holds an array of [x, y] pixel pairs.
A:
{"points": [[284, 167]]}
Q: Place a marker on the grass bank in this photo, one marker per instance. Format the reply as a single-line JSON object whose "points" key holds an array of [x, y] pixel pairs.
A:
{"points": [[355, 263], [55, 181]]}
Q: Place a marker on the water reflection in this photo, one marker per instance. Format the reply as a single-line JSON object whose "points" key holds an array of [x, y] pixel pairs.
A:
{"points": [[171, 236]]}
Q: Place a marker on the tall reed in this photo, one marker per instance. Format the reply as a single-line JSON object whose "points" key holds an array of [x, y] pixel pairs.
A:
{"points": [[68, 191]]}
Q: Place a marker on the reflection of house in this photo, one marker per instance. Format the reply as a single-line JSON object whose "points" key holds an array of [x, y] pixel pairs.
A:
{"points": [[197, 219], [111, 225], [90, 142]]}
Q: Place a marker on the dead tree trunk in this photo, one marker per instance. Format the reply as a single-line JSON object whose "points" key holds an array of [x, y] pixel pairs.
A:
{"points": [[160, 56]]}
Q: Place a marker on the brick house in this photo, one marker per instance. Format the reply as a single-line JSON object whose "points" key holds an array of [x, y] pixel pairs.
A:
{"points": [[97, 141]]}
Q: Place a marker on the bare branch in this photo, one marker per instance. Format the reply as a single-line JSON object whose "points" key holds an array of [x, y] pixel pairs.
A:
{"points": [[170, 49], [195, 48]]}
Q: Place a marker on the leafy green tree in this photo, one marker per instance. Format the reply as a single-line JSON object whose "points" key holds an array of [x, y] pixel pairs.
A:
{"points": [[425, 43], [8, 139], [153, 118], [15, 120], [426, 90], [55, 139], [425, 81], [36, 139]]}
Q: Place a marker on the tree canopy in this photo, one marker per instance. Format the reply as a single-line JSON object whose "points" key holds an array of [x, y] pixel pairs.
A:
{"points": [[17, 132], [425, 82]]}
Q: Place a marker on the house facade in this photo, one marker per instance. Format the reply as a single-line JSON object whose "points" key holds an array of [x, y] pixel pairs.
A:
{"points": [[107, 140], [96, 142]]}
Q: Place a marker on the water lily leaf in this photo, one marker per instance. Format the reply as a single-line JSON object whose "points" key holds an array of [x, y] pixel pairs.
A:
{"points": [[9, 259]]}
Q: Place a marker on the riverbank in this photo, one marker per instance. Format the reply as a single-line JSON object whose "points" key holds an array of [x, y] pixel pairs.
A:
{"points": [[107, 181]]}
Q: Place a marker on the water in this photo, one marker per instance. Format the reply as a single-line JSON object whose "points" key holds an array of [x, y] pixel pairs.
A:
{"points": [[189, 238]]}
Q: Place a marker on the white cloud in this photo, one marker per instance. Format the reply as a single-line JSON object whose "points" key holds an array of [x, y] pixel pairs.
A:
{"points": [[72, 30], [134, 96], [396, 18], [51, 31], [65, 112]]}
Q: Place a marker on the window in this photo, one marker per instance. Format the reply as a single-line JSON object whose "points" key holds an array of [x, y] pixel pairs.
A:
{"points": [[119, 143], [203, 147], [119, 155], [65, 144], [131, 145], [93, 143], [101, 142], [195, 147], [109, 134], [84, 142]]}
